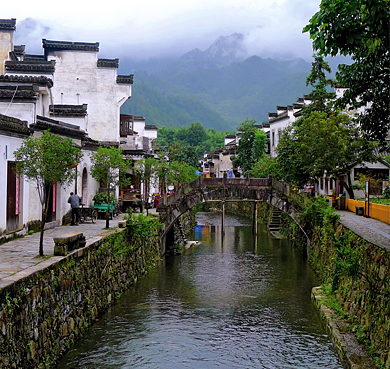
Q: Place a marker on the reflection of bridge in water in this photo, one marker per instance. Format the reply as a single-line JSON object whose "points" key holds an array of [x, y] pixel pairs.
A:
{"points": [[222, 190]]}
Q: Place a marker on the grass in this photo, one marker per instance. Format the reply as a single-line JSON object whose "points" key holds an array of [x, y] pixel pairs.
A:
{"points": [[378, 200]]}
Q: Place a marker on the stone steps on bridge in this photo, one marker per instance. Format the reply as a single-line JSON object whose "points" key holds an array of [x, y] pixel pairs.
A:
{"points": [[274, 225]]}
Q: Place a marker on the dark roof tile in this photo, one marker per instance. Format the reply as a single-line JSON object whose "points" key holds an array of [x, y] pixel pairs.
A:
{"points": [[68, 110], [8, 92], [58, 127], [8, 24], [46, 67], [39, 80], [125, 79], [14, 125], [69, 45], [108, 63]]}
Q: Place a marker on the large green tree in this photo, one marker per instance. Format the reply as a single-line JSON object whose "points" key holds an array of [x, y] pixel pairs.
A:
{"points": [[266, 166], [184, 154], [180, 173], [46, 160], [251, 146], [322, 142], [359, 28], [107, 165]]}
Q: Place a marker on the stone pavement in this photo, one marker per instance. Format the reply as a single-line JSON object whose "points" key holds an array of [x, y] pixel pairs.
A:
{"points": [[374, 231], [19, 257]]}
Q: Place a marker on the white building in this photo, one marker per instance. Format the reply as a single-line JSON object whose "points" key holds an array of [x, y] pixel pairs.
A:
{"points": [[68, 90], [136, 139], [326, 186]]}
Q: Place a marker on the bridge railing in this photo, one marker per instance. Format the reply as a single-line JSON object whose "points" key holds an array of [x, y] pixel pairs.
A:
{"points": [[217, 182], [182, 190], [281, 187], [238, 182]]}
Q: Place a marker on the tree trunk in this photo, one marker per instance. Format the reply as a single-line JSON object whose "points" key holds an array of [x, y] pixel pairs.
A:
{"points": [[108, 205], [45, 207], [348, 186], [147, 197]]}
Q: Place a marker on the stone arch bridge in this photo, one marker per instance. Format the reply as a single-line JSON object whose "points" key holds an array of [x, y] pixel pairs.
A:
{"points": [[222, 190]]}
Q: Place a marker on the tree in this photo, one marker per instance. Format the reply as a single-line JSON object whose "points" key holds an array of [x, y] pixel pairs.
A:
{"points": [[145, 169], [359, 28], [264, 167], [193, 135], [251, 146], [184, 154], [107, 164], [163, 172], [320, 97], [322, 142], [46, 160], [181, 172]]}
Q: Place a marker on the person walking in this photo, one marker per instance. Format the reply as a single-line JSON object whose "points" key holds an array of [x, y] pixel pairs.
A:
{"points": [[74, 202]]}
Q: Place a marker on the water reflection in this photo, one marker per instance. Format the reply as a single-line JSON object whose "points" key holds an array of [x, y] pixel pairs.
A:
{"points": [[221, 305]]}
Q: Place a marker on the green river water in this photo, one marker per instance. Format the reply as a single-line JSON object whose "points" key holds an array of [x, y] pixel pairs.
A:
{"points": [[224, 303]]}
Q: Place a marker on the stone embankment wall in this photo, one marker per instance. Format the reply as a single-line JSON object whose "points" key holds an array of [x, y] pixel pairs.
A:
{"points": [[42, 315], [183, 227], [356, 275]]}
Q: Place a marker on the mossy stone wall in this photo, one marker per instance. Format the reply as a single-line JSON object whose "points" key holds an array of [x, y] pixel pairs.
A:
{"points": [[359, 274], [42, 315]]}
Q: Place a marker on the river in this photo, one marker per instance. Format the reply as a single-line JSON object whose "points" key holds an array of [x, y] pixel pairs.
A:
{"points": [[230, 304]]}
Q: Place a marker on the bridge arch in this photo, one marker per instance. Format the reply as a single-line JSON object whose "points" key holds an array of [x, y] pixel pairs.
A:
{"points": [[223, 189]]}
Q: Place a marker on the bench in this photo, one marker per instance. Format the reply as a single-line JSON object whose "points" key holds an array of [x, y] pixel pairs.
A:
{"points": [[68, 242], [359, 210]]}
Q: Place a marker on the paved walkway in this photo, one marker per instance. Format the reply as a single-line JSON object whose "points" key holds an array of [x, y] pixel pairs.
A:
{"points": [[19, 257], [374, 231]]}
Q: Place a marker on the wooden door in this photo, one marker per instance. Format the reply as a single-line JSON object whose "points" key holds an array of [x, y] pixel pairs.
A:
{"points": [[13, 198]]}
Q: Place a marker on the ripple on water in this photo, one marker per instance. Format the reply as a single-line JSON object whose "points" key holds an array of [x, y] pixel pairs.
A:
{"points": [[221, 306]]}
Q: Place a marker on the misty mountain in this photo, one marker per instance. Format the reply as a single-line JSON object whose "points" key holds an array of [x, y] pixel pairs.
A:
{"points": [[171, 110], [217, 87]]}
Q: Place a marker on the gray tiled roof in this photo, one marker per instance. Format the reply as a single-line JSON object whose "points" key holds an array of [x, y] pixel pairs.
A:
{"points": [[9, 93], [14, 125], [58, 127], [125, 79], [108, 63], [29, 66], [68, 45], [68, 110], [39, 80], [31, 57], [8, 24], [278, 117]]}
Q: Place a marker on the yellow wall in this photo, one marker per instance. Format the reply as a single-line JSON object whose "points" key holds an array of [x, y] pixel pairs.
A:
{"points": [[377, 211]]}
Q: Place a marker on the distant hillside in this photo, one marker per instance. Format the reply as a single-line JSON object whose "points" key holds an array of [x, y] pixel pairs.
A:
{"points": [[216, 87], [171, 110]]}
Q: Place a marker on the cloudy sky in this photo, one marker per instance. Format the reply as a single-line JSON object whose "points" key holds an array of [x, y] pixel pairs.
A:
{"points": [[145, 29]]}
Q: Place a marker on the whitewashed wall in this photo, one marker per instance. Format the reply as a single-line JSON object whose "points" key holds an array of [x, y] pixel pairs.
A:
{"points": [[8, 145], [78, 80]]}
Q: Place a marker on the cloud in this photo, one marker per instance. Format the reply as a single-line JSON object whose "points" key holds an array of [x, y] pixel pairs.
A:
{"points": [[150, 29]]}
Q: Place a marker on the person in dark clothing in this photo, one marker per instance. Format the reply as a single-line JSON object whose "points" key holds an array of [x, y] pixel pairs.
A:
{"points": [[74, 202]]}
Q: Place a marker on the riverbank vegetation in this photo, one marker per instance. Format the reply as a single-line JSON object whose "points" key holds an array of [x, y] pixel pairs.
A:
{"points": [[354, 273]]}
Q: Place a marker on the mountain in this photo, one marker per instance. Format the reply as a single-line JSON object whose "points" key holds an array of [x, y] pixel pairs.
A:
{"points": [[171, 110], [223, 51], [218, 87]]}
